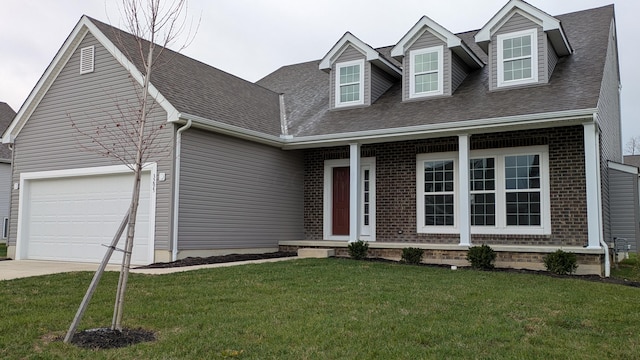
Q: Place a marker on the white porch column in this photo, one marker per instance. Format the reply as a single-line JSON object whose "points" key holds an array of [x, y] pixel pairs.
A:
{"points": [[354, 192], [464, 203], [592, 173]]}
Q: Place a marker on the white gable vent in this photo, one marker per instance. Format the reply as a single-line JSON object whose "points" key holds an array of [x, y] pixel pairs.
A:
{"points": [[86, 59]]}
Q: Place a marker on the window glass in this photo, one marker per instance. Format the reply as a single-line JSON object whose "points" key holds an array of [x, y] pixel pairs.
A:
{"points": [[426, 70], [438, 188], [349, 83], [516, 57], [482, 187], [522, 185]]}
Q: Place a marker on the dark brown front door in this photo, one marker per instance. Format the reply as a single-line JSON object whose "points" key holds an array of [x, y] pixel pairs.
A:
{"points": [[341, 201]]}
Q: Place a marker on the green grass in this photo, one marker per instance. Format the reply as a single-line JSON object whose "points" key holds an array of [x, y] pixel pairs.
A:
{"points": [[3, 250], [330, 309], [628, 268]]}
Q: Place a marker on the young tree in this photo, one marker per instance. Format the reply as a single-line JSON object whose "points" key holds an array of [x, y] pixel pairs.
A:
{"points": [[632, 147], [129, 137]]}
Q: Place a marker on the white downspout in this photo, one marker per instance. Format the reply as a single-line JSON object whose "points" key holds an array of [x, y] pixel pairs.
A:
{"points": [[603, 243], [176, 191]]}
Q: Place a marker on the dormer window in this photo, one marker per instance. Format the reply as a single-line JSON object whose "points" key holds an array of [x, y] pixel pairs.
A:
{"points": [[518, 58], [350, 83], [426, 72]]}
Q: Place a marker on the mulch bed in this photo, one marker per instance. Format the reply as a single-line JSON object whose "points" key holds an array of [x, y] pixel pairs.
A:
{"points": [[192, 261], [104, 338]]}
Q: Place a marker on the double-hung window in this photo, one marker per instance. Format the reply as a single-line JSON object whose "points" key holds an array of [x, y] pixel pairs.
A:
{"points": [[436, 196], [349, 83], [426, 77], [517, 58], [482, 186], [508, 191]]}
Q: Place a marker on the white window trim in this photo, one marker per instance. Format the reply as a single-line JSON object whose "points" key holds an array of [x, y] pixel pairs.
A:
{"points": [[87, 59], [338, 103], [412, 76], [422, 227], [501, 227], [365, 234], [534, 57]]}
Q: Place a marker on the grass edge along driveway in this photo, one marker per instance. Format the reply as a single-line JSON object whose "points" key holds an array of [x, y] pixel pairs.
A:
{"points": [[330, 309]]}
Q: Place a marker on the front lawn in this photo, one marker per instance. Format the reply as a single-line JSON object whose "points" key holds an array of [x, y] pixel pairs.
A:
{"points": [[330, 309], [628, 268]]}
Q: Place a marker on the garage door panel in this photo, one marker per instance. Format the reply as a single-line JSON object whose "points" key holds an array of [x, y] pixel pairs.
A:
{"points": [[70, 218]]}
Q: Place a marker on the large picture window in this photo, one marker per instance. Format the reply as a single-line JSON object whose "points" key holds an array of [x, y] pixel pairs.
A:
{"points": [[426, 72], [508, 191], [517, 58], [350, 83]]}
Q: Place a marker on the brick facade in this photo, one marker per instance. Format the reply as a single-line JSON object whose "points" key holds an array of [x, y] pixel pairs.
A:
{"points": [[396, 186]]}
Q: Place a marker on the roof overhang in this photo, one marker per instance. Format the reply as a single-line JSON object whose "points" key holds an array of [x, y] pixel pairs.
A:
{"points": [[63, 55], [369, 53], [630, 169], [470, 127], [453, 42], [550, 25]]}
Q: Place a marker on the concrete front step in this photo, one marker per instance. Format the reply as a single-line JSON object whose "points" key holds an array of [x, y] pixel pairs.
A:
{"points": [[316, 253]]}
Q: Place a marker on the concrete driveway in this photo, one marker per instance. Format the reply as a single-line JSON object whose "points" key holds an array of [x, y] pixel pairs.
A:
{"points": [[16, 269]]}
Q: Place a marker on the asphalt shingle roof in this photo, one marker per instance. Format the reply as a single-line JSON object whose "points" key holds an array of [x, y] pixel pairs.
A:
{"points": [[6, 116], [195, 88], [574, 84]]}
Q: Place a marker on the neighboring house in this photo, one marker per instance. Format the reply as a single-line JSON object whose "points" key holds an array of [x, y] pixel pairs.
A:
{"points": [[498, 136], [6, 116], [625, 221]]}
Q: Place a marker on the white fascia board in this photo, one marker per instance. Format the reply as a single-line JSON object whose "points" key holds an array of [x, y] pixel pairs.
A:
{"points": [[425, 22], [630, 169], [45, 81], [548, 22], [453, 41], [468, 126], [348, 38], [57, 64], [232, 130]]}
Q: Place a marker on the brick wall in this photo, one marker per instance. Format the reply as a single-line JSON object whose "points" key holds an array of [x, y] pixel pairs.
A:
{"points": [[396, 186]]}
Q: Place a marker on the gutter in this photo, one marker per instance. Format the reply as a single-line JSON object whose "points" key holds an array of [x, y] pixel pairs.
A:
{"points": [[288, 141], [580, 116], [176, 190]]}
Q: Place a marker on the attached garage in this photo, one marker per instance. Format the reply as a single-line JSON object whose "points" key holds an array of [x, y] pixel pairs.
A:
{"points": [[69, 215]]}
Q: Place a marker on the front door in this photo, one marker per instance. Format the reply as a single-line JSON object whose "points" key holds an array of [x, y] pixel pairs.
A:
{"points": [[337, 201], [340, 201]]}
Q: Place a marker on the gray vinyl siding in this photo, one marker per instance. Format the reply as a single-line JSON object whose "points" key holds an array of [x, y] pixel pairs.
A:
{"points": [[552, 59], [380, 82], [609, 120], [624, 207], [518, 23], [351, 54], [426, 40], [49, 142], [459, 71], [237, 194]]}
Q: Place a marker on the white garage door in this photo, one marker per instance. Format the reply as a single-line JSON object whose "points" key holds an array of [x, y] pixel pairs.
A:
{"points": [[69, 218]]}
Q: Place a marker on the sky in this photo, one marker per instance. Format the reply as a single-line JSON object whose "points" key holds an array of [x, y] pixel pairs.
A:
{"points": [[252, 38]]}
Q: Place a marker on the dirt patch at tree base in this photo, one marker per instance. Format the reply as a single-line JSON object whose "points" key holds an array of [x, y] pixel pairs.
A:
{"points": [[105, 338]]}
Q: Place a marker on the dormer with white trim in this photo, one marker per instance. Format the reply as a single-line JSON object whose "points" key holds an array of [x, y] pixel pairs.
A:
{"points": [[523, 44], [359, 73], [435, 61]]}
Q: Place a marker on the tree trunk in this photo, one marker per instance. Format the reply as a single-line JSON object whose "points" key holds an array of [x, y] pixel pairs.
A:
{"points": [[135, 199]]}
